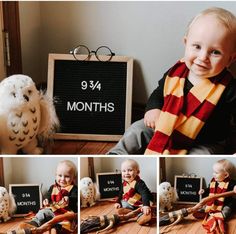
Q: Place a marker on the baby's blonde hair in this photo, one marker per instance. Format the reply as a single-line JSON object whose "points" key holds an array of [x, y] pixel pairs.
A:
{"points": [[225, 17], [132, 162], [227, 166], [71, 165]]}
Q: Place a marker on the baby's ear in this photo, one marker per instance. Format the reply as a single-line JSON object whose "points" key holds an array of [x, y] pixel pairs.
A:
{"points": [[185, 40], [232, 59], [226, 174]]}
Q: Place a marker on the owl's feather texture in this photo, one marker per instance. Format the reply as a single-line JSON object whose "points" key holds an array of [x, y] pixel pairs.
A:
{"points": [[167, 196], [25, 114], [7, 205], [87, 192]]}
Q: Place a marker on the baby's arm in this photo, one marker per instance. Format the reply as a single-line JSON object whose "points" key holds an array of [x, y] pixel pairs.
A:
{"points": [[117, 205], [45, 202], [235, 188], [201, 191], [151, 117]]}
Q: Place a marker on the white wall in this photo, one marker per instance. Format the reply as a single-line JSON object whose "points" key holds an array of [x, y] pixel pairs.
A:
{"points": [[30, 30], [32, 170], [201, 166], [149, 31]]}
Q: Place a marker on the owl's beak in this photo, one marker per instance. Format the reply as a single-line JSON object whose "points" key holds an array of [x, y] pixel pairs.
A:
{"points": [[26, 97]]}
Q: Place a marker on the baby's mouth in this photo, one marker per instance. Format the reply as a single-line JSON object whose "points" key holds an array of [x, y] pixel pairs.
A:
{"points": [[203, 67]]}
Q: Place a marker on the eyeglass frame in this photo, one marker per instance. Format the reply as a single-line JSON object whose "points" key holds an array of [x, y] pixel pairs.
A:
{"points": [[90, 52]]}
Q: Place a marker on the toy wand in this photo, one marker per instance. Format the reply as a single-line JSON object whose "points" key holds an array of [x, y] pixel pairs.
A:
{"points": [[105, 222], [175, 217]]}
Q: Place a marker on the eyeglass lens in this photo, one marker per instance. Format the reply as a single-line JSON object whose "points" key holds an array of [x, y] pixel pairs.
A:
{"points": [[101, 51], [82, 51]]}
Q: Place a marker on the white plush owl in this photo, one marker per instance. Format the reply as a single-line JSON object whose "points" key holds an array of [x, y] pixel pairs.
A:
{"points": [[25, 114], [167, 195], [7, 205], [87, 192]]}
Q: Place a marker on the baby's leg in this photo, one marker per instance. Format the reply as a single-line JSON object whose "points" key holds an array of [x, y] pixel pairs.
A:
{"points": [[43, 216], [226, 211], [216, 148], [134, 140]]}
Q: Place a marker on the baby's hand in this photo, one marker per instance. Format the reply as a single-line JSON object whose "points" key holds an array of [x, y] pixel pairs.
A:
{"points": [[151, 117], [66, 199], [45, 202], [201, 191], [146, 210], [117, 205]]}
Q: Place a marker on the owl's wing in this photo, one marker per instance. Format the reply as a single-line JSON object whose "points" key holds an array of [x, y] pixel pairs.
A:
{"points": [[175, 196], [12, 205], [49, 121], [97, 194]]}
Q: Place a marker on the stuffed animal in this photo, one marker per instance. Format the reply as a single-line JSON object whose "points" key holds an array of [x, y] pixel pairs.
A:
{"points": [[25, 115], [7, 205], [167, 195], [87, 192]]}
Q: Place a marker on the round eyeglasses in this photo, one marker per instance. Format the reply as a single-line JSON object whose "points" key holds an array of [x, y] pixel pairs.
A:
{"points": [[82, 52]]}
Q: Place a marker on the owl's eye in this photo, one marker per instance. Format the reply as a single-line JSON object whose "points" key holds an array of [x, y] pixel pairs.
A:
{"points": [[13, 94], [29, 91]]}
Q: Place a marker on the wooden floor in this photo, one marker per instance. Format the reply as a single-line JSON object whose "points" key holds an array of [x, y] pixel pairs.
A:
{"points": [[132, 227], [78, 147], [13, 224], [191, 225]]}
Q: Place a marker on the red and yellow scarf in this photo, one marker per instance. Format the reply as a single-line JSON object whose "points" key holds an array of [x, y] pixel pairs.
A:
{"points": [[59, 205], [182, 117], [130, 195], [214, 220]]}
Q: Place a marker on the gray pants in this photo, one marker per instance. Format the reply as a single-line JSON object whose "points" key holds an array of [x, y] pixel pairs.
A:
{"points": [[137, 137], [43, 216]]}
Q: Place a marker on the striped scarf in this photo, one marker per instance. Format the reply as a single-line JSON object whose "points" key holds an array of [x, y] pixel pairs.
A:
{"points": [[214, 220], [182, 117], [130, 195], [59, 205]]}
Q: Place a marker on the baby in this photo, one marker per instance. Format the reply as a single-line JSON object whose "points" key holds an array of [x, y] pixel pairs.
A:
{"points": [[134, 192], [184, 113], [62, 197], [219, 209]]}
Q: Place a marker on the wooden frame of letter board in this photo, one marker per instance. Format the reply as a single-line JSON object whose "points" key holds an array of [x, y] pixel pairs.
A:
{"points": [[26, 185], [188, 177], [98, 185], [129, 83]]}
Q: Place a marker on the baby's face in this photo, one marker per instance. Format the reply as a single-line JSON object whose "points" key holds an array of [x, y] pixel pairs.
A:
{"points": [[64, 175], [219, 173], [129, 171], [208, 48]]}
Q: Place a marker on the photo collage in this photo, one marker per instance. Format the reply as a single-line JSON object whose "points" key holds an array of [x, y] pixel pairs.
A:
{"points": [[117, 117]]}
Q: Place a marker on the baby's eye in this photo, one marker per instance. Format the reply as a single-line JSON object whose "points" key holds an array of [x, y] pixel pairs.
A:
{"points": [[215, 52], [196, 46]]}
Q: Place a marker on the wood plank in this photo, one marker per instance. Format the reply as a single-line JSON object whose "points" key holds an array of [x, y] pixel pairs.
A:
{"points": [[78, 147], [13, 224]]}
